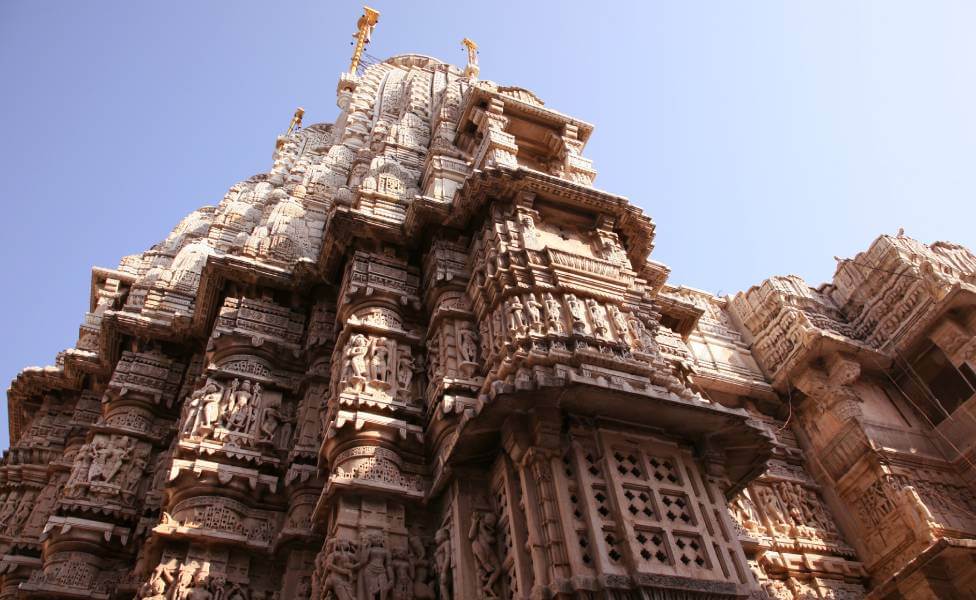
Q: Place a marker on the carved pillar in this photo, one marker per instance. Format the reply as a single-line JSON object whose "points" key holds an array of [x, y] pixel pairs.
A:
{"points": [[497, 148]]}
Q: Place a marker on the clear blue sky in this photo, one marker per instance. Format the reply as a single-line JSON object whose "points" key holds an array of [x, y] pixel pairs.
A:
{"points": [[764, 137]]}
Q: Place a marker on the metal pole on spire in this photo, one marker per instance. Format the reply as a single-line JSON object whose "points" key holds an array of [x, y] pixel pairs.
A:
{"points": [[472, 69], [364, 27]]}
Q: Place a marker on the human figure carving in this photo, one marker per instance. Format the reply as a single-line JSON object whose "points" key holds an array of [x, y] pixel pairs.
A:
{"points": [[482, 536], [379, 362], [443, 557], [198, 588], [79, 472], [467, 348], [405, 367], [422, 588], [270, 423], [239, 407], [516, 318], [599, 321], [535, 313], [341, 563], [577, 314], [554, 315], [355, 368], [619, 321], [403, 575], [191, 412], [375, 569], [209, 409]]}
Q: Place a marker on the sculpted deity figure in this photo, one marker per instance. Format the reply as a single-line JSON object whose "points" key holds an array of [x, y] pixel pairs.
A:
{"points": [[443, 557], [496, 328], [238, 409], [484, 337], [482, 536], [744, 512], [337, 570], [79, 471], [576, 312], [643, 340], [516, 318], [379, 362], [8, 508], [535, 312], [597, 318], [236, 593], [191, 412], [130, 481], [270, 422], [554, 314], [405, 367], [375, 569], [467, 348], [107, 460], [209, 411], [619, 321], [355, 367], [155, 589], [198, 588], [23, 510], [422, 588], [403, 575]]}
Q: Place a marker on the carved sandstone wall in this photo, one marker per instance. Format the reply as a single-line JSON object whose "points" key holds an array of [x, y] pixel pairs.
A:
{"points": [[424, 358]]}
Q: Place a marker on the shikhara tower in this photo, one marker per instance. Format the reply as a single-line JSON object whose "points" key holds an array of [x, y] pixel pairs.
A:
{"points": [[423, 357]]}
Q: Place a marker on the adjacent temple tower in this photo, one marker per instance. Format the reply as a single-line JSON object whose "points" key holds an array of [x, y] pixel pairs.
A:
{"points": [[424, 358]]}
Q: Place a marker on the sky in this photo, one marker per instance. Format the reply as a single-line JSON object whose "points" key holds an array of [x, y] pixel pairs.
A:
{"points": [[763, 137]]}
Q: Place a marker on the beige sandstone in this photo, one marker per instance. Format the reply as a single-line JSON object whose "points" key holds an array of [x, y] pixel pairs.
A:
{"points": [[423, 357]]}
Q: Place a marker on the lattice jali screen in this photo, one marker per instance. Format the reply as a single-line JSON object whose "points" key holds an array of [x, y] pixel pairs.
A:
{"points": [[641, 505]]}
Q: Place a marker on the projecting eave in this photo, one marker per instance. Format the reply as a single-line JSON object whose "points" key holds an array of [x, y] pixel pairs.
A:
{"points": [[479, 94], [505, 183]]}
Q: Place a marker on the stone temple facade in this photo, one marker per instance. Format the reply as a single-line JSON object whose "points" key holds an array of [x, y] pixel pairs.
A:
{"points": [[423, 357]]}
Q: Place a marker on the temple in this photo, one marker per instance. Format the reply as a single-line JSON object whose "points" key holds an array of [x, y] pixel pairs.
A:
{"points": [[423, 357]]}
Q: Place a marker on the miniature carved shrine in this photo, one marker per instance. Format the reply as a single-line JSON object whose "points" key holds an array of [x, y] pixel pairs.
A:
{"points": [[423, 357]]}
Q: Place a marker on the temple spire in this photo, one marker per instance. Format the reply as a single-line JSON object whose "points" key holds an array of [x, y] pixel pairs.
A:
{"points": [[472, 69], [364, 28]]}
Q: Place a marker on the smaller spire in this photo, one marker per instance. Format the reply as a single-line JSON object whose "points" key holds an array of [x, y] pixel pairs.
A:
{"points": [[296, 121], [293, 126], [472, 69], [364, 27]]}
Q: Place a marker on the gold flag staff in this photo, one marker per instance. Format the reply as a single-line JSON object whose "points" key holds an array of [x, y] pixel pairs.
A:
{"points": [[472, 69], [365, 30]]}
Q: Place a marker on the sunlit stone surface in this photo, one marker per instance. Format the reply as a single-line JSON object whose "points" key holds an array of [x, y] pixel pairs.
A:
{"points": [[423, 357]]}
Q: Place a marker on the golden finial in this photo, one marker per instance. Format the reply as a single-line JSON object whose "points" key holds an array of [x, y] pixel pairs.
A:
{"points": [[472, 69], [296, 121], [295, 125], [365, 26]]}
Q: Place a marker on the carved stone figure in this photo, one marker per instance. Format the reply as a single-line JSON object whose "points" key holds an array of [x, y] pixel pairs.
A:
{"points": [[423, 587], [354, 370], [467, 348], [597, 318], [554, 315], [577, 313], [482, 536], [198, 588], [403, 575], [444, 562], [375, 569], [379, 363], [516, 317], [619, 321], [405, 367], [534, 308], [339, 571], [270, 422]]}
